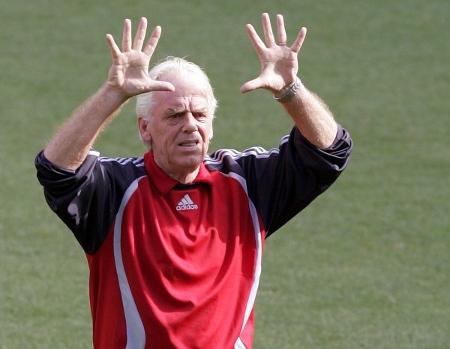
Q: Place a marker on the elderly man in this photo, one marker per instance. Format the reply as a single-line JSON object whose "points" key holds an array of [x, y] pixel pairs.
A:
{"points": [[174, 239]]}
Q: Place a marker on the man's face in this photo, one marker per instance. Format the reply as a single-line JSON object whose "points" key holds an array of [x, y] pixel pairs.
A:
{"points": [[180, 128]]}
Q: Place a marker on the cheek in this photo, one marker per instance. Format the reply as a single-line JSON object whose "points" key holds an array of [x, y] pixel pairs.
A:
{"points": [[166, 139], [208, 131]]}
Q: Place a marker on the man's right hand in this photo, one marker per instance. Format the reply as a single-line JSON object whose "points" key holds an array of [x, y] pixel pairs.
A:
{"points": [[129, 70]]}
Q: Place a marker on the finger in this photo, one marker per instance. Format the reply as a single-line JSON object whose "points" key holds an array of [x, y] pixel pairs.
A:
{"points": [[258, 44], [157, 85], [298, 43], [140, 35], [251, 85], [126, 38], [281, 31], [152, 41], [267, 27], [115, 51]]}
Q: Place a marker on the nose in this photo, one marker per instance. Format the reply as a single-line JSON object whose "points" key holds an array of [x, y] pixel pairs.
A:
{"points": [[190, 123]]}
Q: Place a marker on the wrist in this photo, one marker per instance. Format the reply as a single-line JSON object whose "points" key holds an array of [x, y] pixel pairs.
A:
{"points": [[112, 92], [287, 93]]}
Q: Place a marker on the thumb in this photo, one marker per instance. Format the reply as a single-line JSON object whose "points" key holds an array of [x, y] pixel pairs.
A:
{"points": [[251, 85], [157, 85]]}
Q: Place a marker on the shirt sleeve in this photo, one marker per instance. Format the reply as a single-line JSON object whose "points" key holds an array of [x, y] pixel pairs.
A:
{"points": [[86, 200], [284, 181]]}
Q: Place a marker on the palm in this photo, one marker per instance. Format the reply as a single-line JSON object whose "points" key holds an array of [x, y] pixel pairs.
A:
{"points": [[129, 70], [278, 68], [279, 65]]}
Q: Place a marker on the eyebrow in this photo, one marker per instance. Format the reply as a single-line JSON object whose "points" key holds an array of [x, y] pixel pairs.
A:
{"points": [[174, 110], [181, 109]]}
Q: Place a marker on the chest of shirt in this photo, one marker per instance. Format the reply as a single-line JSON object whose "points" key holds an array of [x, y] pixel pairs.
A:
{"points": [[183, 229]]}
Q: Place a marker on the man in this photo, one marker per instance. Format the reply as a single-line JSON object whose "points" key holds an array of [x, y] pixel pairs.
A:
{"points": [[174, 239]]}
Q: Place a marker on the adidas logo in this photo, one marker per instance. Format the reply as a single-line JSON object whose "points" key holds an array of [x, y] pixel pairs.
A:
{"points": [[186, 203]]}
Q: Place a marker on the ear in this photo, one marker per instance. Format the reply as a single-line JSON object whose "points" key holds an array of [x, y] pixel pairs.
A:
{"points": [[144, 130], [211, 132], [211, 129]]}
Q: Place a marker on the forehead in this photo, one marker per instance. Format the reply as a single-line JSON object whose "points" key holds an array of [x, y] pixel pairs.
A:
{"points": [[193, 103], [189, 93]]}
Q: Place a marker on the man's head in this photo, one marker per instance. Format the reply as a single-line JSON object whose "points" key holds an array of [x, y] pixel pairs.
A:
{"points": [[177, 125]]}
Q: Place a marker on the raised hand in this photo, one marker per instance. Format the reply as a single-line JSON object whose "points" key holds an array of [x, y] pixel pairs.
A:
{"points": [[279, 62], [129, 70]]}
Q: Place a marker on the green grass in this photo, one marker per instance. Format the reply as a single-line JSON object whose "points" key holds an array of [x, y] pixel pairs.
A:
{"points": [[367, 265]]}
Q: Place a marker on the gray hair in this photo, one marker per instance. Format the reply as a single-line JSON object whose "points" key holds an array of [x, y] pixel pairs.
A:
{"points": [[180, 66]]}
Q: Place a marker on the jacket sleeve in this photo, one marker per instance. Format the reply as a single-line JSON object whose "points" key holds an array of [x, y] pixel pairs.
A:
{"points": [[287, 179], [86, 200]]}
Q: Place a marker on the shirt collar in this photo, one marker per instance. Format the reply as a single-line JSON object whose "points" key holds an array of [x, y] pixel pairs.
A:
{"points": [[165, 183]]}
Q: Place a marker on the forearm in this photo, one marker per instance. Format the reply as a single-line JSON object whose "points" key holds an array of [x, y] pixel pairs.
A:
{"points": [[70, 145], [312, 117]]}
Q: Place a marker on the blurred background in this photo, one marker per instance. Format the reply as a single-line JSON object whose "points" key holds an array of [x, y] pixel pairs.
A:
{"points": [[367, 265]]}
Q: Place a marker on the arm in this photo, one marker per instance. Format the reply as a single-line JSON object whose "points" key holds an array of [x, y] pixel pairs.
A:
{"points": [[279, 68], [127, 77]]}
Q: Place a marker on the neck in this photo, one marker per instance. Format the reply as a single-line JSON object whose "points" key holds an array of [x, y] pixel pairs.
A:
{"points": [[184, 178]]}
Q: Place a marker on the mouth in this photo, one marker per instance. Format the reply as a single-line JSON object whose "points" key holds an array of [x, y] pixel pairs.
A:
{"points": [[188, 144]]}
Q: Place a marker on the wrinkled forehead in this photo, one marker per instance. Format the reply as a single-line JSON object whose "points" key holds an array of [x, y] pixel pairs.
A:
{"points": [[197, 103], [189, 92]]}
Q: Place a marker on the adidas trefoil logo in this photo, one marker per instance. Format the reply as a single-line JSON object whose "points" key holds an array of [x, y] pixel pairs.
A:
{"points": [[186, 203]]}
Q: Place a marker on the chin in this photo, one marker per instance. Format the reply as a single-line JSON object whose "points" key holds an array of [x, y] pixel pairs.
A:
{"points": [[190, 161]]}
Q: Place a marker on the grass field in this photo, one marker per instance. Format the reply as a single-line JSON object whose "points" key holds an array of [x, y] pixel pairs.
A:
{"points": [[367, 265]]}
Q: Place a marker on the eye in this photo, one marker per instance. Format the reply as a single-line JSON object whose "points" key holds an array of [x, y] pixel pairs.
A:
{"points": [[175, 115], [200, 115]]}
